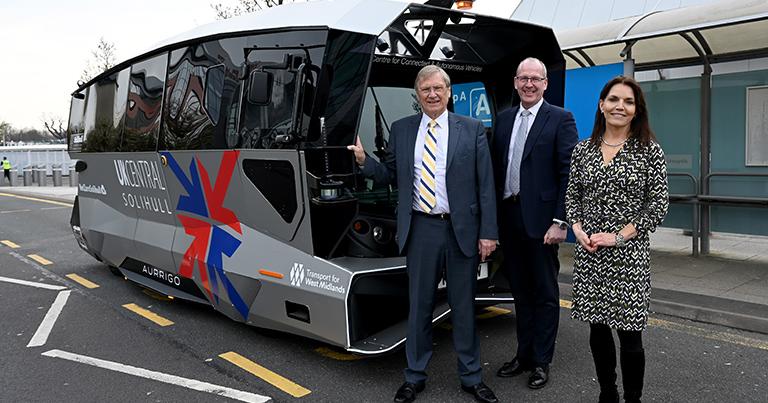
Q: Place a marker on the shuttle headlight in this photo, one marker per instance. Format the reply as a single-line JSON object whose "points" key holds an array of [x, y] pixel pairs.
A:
{"points": [[381, 235]]}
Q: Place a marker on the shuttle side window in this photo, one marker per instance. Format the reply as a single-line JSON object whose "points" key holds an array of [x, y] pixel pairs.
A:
{"points": [[269, 113], [203, 84], [275, 180], [214, 86], [105, 112], [207, 104], [382, 107], [76, 127], [145, 98], [345, 73]]}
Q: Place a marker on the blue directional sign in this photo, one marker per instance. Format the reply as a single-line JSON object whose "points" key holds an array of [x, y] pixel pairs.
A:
{"points": [[470, 99]]}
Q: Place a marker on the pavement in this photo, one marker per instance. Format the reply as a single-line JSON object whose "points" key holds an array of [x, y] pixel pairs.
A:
{"points": [[728, 287]]}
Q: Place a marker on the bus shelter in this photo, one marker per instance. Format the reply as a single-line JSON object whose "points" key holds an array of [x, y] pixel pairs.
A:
{"points": [[734, 134]]}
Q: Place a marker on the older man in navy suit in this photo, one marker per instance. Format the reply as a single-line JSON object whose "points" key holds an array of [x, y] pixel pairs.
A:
{"points": [[446, 220], [532, 147]]}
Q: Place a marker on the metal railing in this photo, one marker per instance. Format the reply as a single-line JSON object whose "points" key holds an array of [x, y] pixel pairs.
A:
{"points": [[689, 198], [701, 203]]}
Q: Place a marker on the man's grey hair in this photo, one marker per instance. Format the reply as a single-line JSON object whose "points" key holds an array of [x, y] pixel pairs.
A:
{"points": [[428, 71], [532, 60]]}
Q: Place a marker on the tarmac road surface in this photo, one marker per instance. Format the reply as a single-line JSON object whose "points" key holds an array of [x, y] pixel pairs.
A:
{"points": [[63, 341]]}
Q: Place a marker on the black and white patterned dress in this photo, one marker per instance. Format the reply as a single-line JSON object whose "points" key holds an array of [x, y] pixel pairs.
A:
{"points": [[613, 285]]}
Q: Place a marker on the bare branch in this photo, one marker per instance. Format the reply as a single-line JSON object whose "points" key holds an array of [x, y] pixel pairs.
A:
{"points": [[102, 59], [55, 126], [245, 6]]}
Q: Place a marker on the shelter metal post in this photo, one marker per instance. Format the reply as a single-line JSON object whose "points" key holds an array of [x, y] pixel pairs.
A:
{"points": [[706, 102], [704, 52], [629, 62]]}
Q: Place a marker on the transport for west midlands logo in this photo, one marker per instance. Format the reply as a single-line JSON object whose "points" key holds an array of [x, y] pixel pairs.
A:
{"points": [[297, 274]]}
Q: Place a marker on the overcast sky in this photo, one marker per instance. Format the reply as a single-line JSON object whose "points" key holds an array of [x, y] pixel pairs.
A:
{"points": [[46, 44]]}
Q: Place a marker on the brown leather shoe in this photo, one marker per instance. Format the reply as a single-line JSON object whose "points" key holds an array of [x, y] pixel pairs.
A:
{"points": [[512, 368], [407, 392], [481, 392]]}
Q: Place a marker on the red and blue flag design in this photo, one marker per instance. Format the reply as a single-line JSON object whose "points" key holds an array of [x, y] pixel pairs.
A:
{"points": [[210, 241]]}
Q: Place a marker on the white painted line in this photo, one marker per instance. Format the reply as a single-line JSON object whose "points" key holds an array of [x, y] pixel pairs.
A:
{"points": [[42, 333], [161, 377], [53, 208], [36, 199], [33, 284], [14, 211]]}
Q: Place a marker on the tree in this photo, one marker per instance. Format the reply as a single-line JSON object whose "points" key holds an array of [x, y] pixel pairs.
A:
{"points": [[27, 135], [102, 59], [5, 129], [56, 127], [245, 6]]}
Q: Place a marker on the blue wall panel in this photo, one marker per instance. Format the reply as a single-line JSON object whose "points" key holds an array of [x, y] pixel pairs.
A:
{"points": [[582, 91]]}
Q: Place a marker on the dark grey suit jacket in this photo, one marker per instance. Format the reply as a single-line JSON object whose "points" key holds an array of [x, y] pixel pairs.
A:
{"points": [[468, 179]]}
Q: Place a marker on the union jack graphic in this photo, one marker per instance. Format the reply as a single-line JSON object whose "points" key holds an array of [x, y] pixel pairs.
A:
{"points": [[210, 240]]}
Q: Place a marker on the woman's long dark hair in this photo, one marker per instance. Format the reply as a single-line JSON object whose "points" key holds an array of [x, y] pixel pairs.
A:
{"points": [[639, 128]]}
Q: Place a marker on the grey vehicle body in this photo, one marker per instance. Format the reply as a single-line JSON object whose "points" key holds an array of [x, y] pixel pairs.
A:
{"points": [[213, 168]]}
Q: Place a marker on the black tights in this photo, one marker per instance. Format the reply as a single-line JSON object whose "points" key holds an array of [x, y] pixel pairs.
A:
{"points": [[632, 362], [600, 337]]}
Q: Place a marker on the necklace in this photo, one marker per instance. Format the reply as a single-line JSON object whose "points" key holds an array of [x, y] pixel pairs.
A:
{"points": [[613, 145]]}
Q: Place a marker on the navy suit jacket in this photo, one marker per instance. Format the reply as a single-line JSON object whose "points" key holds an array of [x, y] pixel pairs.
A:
{"points": [[468, 179], [544, 167]]}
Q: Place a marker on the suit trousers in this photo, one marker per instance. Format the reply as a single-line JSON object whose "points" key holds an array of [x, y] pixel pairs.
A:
{"points": [[532, 268], [431, 249]]}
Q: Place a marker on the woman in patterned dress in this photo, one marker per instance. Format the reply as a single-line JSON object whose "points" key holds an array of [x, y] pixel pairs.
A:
{"points": [[617, 194]]}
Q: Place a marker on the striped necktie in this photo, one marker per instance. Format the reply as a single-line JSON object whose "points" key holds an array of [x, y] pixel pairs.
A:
{"points": [[427, 195]]}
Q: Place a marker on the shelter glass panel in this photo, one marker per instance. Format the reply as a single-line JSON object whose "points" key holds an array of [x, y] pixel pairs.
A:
{"points": [[679, 135], [757, 126]]}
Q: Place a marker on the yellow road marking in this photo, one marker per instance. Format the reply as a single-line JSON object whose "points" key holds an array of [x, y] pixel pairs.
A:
{"points": [[39, 259], [280, 382], [336, 355], [148, 314], [697, 331], [82, 281], [492, 312], [9, 244], [36, 199]]}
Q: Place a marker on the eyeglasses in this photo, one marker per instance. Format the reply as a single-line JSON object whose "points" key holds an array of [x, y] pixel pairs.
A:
{"points": [[437, 89], [526, 79]]}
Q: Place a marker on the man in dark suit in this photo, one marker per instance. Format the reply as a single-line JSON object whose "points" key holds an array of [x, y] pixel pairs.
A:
{"points": [[531, 150], [446, 220]]}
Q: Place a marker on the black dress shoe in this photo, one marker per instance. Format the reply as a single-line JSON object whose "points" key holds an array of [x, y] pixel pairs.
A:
{"points": [[512, 368], [539, 377], [481, 392], [407, 392]]}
